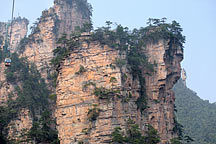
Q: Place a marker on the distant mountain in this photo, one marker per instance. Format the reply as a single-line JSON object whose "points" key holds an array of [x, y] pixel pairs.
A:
{"points": [[196, 115]]}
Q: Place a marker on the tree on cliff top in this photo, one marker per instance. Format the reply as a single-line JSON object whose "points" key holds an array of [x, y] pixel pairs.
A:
{"points": [[159, 29]]}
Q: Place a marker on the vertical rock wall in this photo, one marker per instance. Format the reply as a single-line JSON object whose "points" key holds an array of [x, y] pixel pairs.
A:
{"points": [[75, 96], [62, 18], [38, 48], [42, 41], [167, 58], [18, 128], [72, 13], [75, 91], [23, 122], [75, 100], [19, 31]]}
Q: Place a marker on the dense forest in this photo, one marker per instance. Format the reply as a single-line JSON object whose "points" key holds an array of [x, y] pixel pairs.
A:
{"points": [[196, 115]]}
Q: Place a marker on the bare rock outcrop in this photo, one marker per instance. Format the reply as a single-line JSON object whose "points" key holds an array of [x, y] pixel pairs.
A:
{"points": [[19, 31], [159, 86], [38, 48], [18, 128], [77, 96], [62, 18]]}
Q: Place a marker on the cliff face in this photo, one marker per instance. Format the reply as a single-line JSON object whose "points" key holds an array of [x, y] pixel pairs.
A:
{"points": [[84, 113], [19, 31], [72, 14], [18, 128], [61, 19], [40, 44], [76, 97], [159, 86], [20, 28], [5, 88], [38, 48]]}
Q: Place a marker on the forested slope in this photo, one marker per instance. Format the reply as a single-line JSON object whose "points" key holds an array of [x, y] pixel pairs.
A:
{"points": [[196, 115]]}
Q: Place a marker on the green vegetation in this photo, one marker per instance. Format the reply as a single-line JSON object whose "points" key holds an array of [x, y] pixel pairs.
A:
{"points": [[120, 63], [65, 46], [87, 84], [134, 136], [103, 93], [116, 39], [41, 131], [52, 77], [22, 44], [93, 113], [81, 70], [130, 43], [60, 52], [196, 115], [113, 80], [175, 141], [86, 130], [87, 27], [32, 93], [35, 27], [158, 29], [1, 40]]}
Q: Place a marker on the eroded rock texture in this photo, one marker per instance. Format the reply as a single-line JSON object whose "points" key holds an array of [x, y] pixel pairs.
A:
{"points": [[62, 18], [19, 31], [161, 98], [38, 48], [92, 66], [20, 28], [18, 128], [76, 97]]}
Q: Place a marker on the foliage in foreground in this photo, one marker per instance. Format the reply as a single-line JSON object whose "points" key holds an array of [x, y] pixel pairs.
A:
{"points": [[32, 93], [133, 135]]}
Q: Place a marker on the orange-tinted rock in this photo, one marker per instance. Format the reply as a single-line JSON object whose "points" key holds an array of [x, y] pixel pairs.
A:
{"points": [[159, 86], [74, 100]]}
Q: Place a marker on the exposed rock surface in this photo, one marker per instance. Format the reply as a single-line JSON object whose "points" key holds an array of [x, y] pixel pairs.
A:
{"points": [[38, 47], [75, 89], [19, 31], [159, 85], [18, 128], [5, 87], [71, 13], [75, 100], [20, 28], [62, 18]]}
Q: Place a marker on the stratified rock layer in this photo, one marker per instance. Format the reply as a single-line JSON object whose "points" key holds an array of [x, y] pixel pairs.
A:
{"points": [[38, 47], [74, 100], [63, 18]]}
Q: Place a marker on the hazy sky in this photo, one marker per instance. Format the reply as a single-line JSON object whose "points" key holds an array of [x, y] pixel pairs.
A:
{"points": [[197, 18]]}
